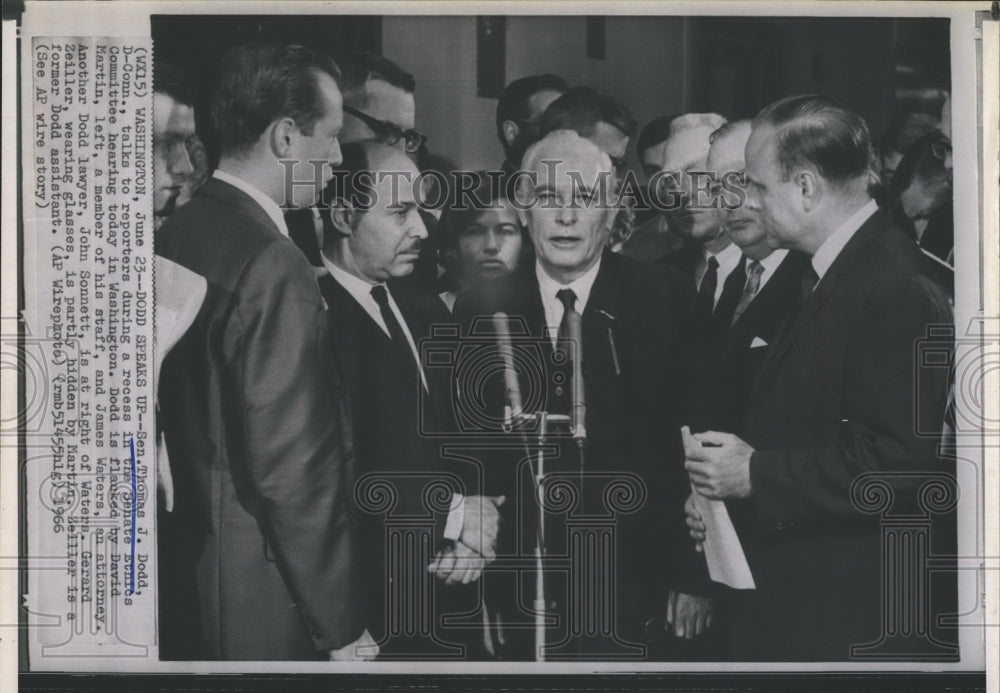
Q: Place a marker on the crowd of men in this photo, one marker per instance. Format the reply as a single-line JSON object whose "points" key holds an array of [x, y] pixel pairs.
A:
{"points": [[352, 465]]}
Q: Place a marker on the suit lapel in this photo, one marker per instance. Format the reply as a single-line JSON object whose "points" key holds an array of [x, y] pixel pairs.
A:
{"points": [[359, 334], [855, 248], [602, 318]]}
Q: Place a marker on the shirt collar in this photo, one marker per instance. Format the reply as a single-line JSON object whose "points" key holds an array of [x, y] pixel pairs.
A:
{"points": [[269, 206], [727, 258], [772, 261], [828, 251], [356, 286], [581, 286]]}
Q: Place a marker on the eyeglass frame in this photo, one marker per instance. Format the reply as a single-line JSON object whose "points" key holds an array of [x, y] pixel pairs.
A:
{"points": [[389, 133]]}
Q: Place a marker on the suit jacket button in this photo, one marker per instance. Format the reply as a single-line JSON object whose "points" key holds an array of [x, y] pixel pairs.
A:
{"points": [[779, 526]]}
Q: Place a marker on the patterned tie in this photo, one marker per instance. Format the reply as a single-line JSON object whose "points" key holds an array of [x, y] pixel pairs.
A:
{"points": [[809, 281], [750, 290], [709, 282]]}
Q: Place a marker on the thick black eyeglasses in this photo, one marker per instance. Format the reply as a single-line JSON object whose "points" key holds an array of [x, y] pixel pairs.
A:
{"points": [[389, 133]]}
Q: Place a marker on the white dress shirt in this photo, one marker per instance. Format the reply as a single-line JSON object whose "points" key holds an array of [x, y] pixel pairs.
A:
{"points": [[554, 309], [269, 206], [770, 265], [835, 242], [728, 259], [361, 291]]}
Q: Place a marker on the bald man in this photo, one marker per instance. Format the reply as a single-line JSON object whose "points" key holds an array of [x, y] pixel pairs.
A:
{"points": [[634, 355]]}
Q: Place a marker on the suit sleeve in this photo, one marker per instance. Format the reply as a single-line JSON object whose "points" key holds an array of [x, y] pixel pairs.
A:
{"points": [[891, 408], [297, 456]]}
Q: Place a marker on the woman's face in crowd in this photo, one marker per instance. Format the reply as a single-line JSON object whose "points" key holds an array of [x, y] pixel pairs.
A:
{"points": [[489, 244]]}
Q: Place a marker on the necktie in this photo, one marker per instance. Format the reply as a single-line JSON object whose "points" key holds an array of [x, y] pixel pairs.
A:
{"points": [[750, 290], [568, 299], [396, 334], [709, 281], [809, 281]]}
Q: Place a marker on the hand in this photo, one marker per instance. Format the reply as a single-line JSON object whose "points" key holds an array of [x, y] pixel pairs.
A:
{"points": [[458, 564], [363, 649], [695, 523], [718, 464], [689, 615], [480, 524]]}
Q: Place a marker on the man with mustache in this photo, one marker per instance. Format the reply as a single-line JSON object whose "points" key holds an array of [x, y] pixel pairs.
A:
{"points": [[375, 238], [635, 351]]}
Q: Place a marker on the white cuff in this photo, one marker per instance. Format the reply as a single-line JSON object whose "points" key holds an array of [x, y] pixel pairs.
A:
{"points": [[456, 518]]}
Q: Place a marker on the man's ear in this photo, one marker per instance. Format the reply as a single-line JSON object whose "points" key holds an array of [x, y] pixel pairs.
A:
{"points": [[811, 191], [282, 135], [510, 131], [342, 215]]}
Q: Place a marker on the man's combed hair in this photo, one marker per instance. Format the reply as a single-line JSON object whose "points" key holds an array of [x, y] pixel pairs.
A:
{"points": [[257, 84], [583, 108], [725, 129], [170, 80], [513, 101], [817, 132], [357, 69]]}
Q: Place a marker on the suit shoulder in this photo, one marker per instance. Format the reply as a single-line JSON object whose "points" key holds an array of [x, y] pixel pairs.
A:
{"points": [[657, 278], [220, 241]]}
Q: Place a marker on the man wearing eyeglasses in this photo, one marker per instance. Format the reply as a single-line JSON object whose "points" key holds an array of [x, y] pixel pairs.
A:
{"points": [[378, 102]]}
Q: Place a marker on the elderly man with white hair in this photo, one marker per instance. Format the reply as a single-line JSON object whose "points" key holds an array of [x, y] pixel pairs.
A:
{"points": [[632, 599]]}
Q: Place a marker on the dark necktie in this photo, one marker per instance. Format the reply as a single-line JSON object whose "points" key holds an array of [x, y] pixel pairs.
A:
{"points": [[396, 334], [710, 280], [809, 281], [750, 290], [568, 299]]}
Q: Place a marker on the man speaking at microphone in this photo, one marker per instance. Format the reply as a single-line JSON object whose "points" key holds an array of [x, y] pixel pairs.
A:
{"points": [[635, 320]]}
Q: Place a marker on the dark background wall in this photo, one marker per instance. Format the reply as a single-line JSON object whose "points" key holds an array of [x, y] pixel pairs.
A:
{"points": [[654, 65]]}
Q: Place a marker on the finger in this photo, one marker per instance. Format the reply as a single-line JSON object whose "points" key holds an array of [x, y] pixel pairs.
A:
{"points": [[708, 621], [446, 565], [692, 447], [671, 598], [699, 547], [694, 523], [714, 438], [698, 469], [704, 487], [499, 500]]}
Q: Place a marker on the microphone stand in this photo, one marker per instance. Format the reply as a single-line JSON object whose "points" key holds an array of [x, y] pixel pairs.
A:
{"points": [[515, 417]]}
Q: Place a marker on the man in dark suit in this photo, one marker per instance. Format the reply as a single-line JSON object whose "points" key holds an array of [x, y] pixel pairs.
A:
{"points": [[635, 355], [396, 405], [708, 256], [252, 410], [836, 423], [740, 333]]}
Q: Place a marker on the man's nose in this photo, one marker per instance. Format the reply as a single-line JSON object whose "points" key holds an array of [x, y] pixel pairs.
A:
{"points": [[179, 163], [335, 156], [567, 214], [419, 229]]}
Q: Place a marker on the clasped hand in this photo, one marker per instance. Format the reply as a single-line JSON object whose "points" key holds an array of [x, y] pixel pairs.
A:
{"points": [[476, 546]]}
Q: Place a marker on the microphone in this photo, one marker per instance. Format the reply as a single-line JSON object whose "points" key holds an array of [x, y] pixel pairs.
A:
{"points": [[512, 388], [578, 404]]}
